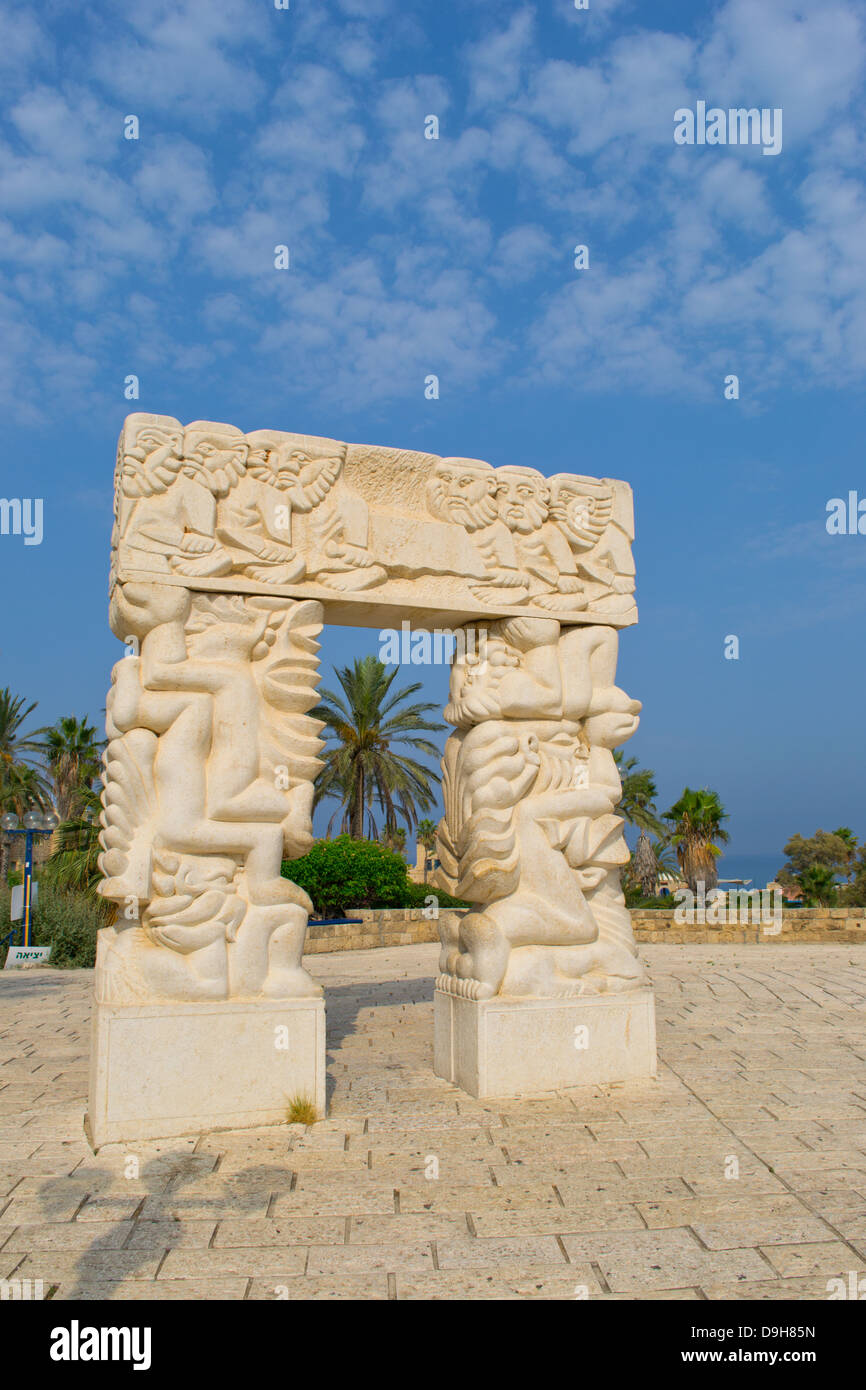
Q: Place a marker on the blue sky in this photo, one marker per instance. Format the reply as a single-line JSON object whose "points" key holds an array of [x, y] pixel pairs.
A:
{"points": [[305, 127]]}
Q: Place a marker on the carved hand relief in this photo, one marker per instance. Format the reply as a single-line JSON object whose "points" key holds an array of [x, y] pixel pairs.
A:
{"points": [[208, 787], [365, 529], [530, 836]]}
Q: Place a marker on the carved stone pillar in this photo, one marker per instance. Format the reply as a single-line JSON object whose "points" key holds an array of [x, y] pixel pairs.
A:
{"points": [[540, 985], [208, 787]]}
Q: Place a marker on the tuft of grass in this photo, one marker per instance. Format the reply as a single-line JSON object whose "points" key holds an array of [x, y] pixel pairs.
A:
{"points": [[302, 1111]]}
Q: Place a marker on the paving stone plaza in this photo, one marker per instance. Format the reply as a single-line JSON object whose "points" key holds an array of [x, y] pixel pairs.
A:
{"points": [[740, 1172]]}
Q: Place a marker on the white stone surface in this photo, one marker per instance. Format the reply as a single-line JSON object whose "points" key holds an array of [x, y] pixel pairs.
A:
{"points": [[512, 1047], [159, 1070]]}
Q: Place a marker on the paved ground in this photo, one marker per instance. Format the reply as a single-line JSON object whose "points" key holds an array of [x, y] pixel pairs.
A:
{"points": [[740, 1172]]}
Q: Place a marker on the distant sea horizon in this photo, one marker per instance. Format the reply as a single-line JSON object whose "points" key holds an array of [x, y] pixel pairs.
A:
{"points": [[760, 868]]}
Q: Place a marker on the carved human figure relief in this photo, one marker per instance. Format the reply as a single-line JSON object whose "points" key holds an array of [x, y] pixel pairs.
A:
{"points": [[530, 835], [543, 554], [286, 475], [208, 786], [364, 528], [585, 510], [463, 491]]}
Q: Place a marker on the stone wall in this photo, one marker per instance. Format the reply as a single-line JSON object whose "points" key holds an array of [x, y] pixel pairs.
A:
{"points": [[409, 927], [800, 924], [379, 926]]}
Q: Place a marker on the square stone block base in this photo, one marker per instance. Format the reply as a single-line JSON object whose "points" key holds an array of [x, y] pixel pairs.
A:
{"points": [[158, 1070], [511, 1047]]}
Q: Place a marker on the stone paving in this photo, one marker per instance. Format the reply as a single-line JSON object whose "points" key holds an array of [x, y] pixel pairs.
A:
{"points": [[739, 1173]]}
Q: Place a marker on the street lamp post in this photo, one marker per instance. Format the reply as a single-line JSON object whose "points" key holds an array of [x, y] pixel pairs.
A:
{"points": [[35, 823]]}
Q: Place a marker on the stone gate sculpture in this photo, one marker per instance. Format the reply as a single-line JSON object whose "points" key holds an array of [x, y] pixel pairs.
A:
{"points": [[229, 552]]}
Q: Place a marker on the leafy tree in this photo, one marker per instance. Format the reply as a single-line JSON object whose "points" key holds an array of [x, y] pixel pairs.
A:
{"points": [[637, 802], [361, 764], [824, 850], [696, 821], [344, 873], [849, 839], [72, 752]]}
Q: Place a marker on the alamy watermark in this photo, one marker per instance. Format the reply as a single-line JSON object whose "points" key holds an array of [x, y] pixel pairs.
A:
{"points": [[22, 516], [438, 647], [736, 126], [737, 907]]}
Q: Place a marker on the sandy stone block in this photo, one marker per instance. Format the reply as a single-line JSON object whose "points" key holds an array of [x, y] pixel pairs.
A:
{"points": [[334, 1259], [248, 1261], [829, 1257], [165, 1290], [578, 1282], [406, 1227], [291, 1230], [63, 1267], [634, 1261], [499, 1251], [607, 1216], [366, 1198], [161, 1235], [68, 1235], [344, 1287]]}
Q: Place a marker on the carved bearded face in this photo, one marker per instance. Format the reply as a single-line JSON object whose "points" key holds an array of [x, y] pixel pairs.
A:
{"points": [[581, 507], [521, 494], [462, 490], [214, 459], [282, 459], [152, 462]]}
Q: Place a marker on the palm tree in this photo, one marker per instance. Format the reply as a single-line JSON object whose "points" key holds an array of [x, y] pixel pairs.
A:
{"points": [[696, 821], [16, 746], [22, 780], [427, 839], [644, 866], [361, 766], [637, 802], [72, 751], [818, 885], [21, 788], [73, 865], [395, 839]]}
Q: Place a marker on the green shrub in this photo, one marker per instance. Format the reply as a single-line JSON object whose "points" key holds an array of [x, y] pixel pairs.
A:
{"points": [[344, 873], [67, 922]]}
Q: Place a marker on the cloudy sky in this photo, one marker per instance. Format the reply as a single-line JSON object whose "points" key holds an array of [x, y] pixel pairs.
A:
{"points": [[305, 127]]}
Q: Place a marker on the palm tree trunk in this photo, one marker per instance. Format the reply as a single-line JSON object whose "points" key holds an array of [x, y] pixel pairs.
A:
{"points": [[358, 808], [4, 858]]}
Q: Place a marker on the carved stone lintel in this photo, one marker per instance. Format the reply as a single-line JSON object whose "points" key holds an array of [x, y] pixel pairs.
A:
{"points": [[363, 529]]}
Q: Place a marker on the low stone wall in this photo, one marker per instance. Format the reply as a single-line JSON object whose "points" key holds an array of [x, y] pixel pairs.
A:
{"points": [[409, 927], [799, 924], [379, 926]]}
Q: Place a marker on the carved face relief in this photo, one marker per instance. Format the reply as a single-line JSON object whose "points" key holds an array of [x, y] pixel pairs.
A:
{"points": [[462, 490], [522, 498], [214, 460], [152, 463], [583, 509]]}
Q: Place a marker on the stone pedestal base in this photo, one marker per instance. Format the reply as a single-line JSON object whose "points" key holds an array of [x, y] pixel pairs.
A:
{"points": [[159, 1070], [510, 1047]]}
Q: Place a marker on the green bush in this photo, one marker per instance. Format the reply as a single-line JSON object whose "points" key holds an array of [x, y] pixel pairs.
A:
{"points": [[344, 873], [67, 922]]}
